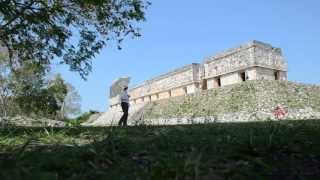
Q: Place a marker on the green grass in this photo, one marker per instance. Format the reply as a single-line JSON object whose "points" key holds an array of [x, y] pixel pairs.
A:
{"points": [[260, 150]]}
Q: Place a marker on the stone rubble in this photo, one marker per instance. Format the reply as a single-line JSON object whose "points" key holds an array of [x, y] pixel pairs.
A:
{"points": [[30, 122]]}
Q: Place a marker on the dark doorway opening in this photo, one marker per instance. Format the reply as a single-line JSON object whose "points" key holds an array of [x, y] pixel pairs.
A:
{"points": [[243, 76], [218, 80], [276, 75], [185, 90], [204, 84]]}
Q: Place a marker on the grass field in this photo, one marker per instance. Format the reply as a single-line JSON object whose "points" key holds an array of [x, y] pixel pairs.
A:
{"points": [[261, 150]]}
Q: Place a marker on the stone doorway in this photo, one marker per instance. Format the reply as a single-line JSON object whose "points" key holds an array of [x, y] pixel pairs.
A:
{"points": [[243, 76], [204, 84], [277, 75], [218, 82]]}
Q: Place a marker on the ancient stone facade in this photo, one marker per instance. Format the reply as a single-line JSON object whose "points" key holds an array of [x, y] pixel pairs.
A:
{"points": [[251, 61], [240, 102]]}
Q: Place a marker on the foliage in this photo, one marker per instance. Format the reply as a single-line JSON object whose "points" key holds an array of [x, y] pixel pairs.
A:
{"points": [[20, 86], [40, 31], [82, 118], [30, 92], [259, 150], [26, 91], [71, 103], [58, 88], [4, 86]]}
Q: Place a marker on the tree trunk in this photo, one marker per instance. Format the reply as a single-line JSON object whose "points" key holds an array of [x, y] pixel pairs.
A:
{"points": [[62, 115], [3, 105]]}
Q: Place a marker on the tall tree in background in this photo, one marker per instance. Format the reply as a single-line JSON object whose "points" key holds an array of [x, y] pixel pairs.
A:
{"points": [[4, 85], [72, 103], [39, 30], [58, 88], [29, 92], [66, 96]]}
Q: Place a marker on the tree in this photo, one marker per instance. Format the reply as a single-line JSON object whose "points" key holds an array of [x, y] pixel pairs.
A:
{"points": [[29, 92], [40, 31], [72, 103], [4, 96], [58, 88], [26, 91], [4, 85]]}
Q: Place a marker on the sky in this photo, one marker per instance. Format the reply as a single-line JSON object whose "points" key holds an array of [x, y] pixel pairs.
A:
{"points": [[180, 32]]}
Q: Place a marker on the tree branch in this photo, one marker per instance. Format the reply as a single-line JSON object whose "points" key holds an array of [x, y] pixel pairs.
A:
{"points": [[18, 14]]}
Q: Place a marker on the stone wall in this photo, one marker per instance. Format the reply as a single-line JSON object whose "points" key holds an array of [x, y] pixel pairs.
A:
{"points": [[30, 122], [176, 83], [247, 101], [256, 59], [229, 79], [251, 61], [252, 54], [269, 57], [269, 74], [179, 77], [229, 61], [242, 102]]}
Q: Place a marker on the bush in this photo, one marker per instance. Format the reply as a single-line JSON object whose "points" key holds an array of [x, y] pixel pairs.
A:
{"points": [[81, 119]]}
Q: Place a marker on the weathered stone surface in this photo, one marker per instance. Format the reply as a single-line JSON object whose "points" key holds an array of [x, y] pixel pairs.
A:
{"points": [[251, 61], [247, 101], [26, 121], [180, 77], [253, 100], [252, 54]]}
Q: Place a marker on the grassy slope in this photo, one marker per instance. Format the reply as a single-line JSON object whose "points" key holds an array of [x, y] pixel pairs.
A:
{"points": [[251, 96], [261, 150]]}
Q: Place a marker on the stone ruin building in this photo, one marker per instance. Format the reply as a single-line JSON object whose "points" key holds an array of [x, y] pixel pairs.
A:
{"points": [[251, 61]]}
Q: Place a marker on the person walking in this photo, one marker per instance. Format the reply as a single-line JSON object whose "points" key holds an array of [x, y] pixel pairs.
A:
{"points": [[124, 99]]}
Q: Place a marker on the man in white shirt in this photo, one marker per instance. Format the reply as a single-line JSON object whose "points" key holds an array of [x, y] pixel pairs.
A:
{"points": [[124, 99]]}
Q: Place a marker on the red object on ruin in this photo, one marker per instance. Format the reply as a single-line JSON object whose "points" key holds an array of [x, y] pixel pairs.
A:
{"points": [[279, 112]]}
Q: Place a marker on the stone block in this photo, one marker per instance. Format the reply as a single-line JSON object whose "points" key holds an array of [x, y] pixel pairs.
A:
{"points": [[140, 100], [229, 79], [154, 97], [181, 91], [191, 89], [147, 98], [164, 95]]}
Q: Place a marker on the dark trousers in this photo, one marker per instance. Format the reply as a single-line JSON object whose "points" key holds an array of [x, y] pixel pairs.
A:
{"points": [[124, 118]]}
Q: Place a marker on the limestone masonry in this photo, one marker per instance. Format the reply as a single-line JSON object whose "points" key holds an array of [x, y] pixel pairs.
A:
{"points": [[251, 61], [239, 85]]}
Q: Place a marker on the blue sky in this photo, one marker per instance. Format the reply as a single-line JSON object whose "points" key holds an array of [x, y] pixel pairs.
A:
{"points": [[179, 32]]}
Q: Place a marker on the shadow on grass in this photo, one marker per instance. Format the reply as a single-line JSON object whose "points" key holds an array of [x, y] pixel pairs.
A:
{"points": [[260, 150]]}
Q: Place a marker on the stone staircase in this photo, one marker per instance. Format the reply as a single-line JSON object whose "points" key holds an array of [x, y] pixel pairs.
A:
{"points": [[112, 116], [138, 117]]}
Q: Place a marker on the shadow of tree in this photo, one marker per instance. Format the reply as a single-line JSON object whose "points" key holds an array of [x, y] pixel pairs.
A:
{"points": [[269, 150]]}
